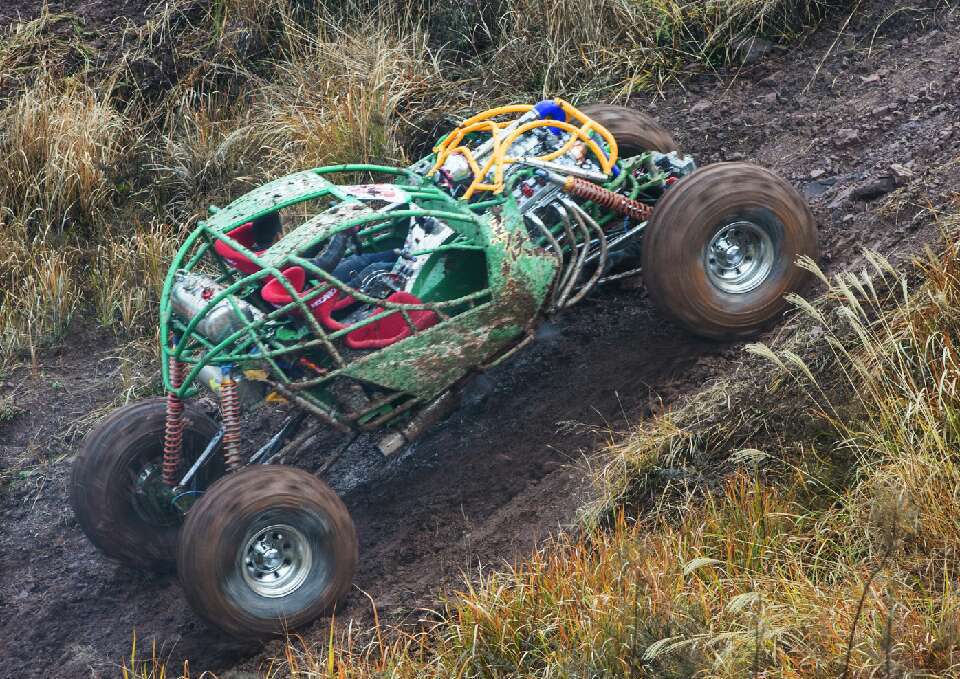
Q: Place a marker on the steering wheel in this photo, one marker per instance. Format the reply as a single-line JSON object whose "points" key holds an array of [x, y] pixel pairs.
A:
{"points": [[555, 114]]}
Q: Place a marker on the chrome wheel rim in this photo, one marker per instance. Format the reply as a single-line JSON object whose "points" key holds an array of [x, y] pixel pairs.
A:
{"points": [[739, 257], [275, 560]]}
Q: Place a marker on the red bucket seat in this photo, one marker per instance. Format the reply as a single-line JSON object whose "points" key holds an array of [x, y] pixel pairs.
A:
{"points": [[381, 333], [244, 235]]}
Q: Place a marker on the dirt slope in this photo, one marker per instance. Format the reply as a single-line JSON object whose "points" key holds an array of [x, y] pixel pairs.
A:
{"points": [[832, 117]]}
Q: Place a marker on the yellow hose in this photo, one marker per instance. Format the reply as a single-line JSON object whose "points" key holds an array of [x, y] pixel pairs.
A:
{"points": [[483, 122]]}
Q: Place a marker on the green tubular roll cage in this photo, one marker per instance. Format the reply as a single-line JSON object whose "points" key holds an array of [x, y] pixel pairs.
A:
{"points": [[475, 328]]}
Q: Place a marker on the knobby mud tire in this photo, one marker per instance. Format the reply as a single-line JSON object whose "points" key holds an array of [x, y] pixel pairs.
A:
{"points": [[682, 226], [104, 475], [635, 132], [213, 550]]}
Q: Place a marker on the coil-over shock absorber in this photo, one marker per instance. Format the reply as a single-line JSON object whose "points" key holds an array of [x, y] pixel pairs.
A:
{"points": [[173, 426], [616, 202], [230, 415]]}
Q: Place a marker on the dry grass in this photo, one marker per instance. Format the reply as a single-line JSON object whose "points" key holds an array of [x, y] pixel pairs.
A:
{"points": [[60, 143], [342, 95], [204, 100], [141, 255], [577, 47], [827, 550], [39, 291]]}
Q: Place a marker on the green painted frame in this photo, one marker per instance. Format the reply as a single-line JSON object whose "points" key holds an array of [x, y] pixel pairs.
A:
{"points": [[411, 371]]}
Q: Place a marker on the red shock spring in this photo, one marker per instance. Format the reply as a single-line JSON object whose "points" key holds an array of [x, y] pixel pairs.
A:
{"points": [[230, 414], [628, 207], [173, 426]]}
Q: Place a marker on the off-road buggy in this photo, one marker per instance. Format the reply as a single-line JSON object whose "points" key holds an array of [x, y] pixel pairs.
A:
{"points": [[364, 307]]}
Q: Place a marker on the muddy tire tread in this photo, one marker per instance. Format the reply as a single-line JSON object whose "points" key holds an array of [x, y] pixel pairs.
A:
{"points": [[209, 542], [100, 472], [635, 131], [678, 286]]}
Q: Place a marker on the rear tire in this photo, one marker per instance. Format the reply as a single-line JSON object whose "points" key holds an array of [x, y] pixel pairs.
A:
{"points": [[266, 550], [115, 485], [719, 251], [635, 132]]}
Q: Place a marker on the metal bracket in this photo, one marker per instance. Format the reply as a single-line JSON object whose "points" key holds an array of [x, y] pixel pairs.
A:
{"points": [[207, 452], [290, 427]]}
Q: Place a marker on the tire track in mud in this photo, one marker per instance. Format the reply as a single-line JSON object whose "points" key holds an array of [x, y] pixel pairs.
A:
{"points": [[483, 488], [504, 471]]}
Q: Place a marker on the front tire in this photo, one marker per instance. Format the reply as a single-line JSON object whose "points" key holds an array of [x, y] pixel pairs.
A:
{"points": [[116, 488], [266, 550], [719, 251]]}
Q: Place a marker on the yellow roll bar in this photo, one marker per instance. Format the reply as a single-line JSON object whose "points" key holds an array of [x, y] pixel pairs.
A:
{"points": [[502, 141]]}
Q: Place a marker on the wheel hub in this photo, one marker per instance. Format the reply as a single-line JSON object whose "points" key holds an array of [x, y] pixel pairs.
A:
{"points": [[276, 560], [732, 255], [153, 499], [739, 257]]}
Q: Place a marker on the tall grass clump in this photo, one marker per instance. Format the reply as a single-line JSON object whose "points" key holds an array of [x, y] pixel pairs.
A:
{"points": [[125, 277], [591, 46], [205, 149], [61, 146], [39, 288], [344, 95], [51, 45]]}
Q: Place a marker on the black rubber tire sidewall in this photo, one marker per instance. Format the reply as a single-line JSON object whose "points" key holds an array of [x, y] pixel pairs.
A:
{"points": [[682, 225], [220, 523], [635, 131], [101, 481]]}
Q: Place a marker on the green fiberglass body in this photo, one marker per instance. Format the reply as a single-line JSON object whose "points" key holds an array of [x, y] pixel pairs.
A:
{"points": [[360, 298], [484, 281]]}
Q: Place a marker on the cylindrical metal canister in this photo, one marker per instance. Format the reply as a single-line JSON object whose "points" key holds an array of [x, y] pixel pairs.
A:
{"points": [[191, 294]]}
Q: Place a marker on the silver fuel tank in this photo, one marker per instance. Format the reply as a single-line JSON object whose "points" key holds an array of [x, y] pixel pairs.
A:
{"points": [[191, 293]]}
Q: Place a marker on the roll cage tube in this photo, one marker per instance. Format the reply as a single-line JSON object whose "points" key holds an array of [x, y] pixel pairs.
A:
{"points": [[254, 342], [503, 135], [182, 341]]}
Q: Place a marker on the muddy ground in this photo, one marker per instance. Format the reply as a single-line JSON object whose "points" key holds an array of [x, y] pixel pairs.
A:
{"points": [[866, 122]]}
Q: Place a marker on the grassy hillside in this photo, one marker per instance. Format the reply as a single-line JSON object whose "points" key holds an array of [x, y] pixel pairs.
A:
{"points": [[827, 548], [115, 136]]}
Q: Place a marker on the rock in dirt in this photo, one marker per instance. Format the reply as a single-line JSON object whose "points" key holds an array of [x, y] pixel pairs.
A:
{"points": [[874, 189], [901, 174], [751, 50], [815, 188], [842, 197], [701, 107], [846, 137]]}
